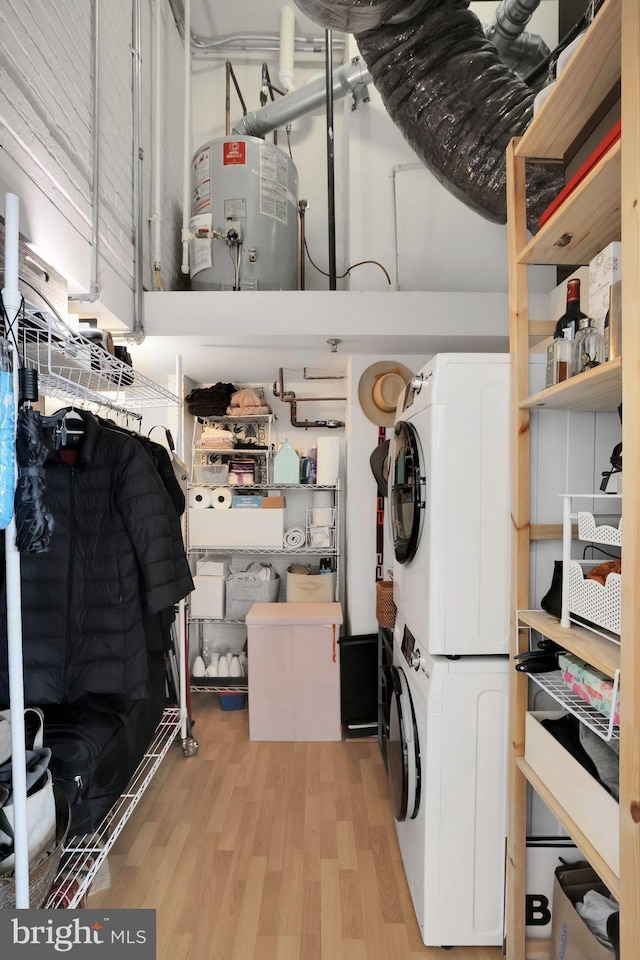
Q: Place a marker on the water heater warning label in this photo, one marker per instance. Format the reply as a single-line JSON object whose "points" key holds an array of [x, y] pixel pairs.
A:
{"points": [[234, 151], [273, 183]]}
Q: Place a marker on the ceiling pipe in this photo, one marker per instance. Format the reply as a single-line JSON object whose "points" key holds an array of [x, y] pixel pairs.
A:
{"points": [[351, 78], [287, 48], [137, 334], [331, 180], [186, 142], [94, 288], [518, 49]]}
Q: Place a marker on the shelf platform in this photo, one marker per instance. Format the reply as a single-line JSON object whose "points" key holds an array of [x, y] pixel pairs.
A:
{"points": [[601, 653], [587, 79], [267, 551], [587, 221], [598, 389], [554, 685], [218, 685], [82, 857]]}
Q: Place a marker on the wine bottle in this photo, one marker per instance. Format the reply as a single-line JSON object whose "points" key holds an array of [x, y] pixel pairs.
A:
{"points": [[572, 314]]}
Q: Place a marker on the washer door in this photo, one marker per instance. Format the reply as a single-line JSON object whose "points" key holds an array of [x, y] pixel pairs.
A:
{"points": [[406, 499], [403, 751]]}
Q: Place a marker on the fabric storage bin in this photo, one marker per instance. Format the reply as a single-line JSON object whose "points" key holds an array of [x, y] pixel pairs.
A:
{"points": [[243, 591], [571, 938], [310, 585]]}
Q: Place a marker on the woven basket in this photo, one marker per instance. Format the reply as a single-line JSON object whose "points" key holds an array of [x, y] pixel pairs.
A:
{"points": [[42, 876], [385, 607]]}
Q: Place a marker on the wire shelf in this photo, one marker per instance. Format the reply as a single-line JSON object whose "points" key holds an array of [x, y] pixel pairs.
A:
{"points": [[553, 684], [83, 856], [72, 368], [267, 551], [218, 685]]}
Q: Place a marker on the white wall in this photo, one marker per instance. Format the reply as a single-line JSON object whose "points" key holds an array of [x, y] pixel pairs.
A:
{"points": [[46, 120]]}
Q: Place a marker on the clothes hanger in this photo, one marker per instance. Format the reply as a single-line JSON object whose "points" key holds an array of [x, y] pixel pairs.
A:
{"points": [[68, 427]]}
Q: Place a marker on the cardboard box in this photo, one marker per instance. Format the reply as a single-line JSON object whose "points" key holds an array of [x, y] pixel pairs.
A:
{"points": [[273, 503], [212, 567], [249, 501], [236, 528], [207, 600], [571, 939]]}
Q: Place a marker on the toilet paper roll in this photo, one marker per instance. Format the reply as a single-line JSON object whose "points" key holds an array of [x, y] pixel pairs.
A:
{"points": [[199, 498], [221, 498]]}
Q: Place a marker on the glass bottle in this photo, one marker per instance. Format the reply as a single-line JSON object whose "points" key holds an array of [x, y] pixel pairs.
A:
{"points": [[562, 357], [588, 347], [572, 314]]}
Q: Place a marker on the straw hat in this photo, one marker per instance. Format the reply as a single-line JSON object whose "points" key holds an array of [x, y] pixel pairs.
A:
{"points": [[379, 388]]}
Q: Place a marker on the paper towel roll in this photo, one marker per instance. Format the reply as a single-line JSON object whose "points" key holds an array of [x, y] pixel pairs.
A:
{"points": [[294, 538], [322, 498], [221, 498], [328, 460], [199, 498]]}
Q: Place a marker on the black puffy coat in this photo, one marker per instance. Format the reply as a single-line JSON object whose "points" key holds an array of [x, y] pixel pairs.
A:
{"points": [[116, 555]]}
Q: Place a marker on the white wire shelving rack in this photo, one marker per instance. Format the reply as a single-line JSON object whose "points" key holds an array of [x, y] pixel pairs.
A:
{"points": [[599, 723], [73, 368], [83, 857]]}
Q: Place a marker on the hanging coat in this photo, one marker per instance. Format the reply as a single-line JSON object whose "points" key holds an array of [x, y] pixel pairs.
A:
{"points": [[116, 556]]}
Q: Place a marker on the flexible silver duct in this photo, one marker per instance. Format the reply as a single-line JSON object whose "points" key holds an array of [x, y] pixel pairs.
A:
{"points": [[444, 85], [351, 78]]}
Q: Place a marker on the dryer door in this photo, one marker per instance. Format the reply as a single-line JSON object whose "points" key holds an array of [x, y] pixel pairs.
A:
{"points": [[407, 486], [403, 751]]}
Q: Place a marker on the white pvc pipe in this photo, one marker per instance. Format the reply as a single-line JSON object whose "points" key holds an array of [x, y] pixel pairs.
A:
{"points": [[94, 287], [156, 216], [287, 48], [186, 186], [12, 302], [397, 168], [566, 558]]}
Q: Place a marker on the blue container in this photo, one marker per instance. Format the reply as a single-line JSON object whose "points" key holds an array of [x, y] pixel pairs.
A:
{"points": [[233, 701]]}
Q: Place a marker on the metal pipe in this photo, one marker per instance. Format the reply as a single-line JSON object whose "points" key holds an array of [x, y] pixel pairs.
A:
{"points": [[227, 99], [12, 300], [302, 209], [94, 289], [186, 145], [518, 49], [395, 285], [331, 181], [138, 303], [346, 79], [156, 216]]}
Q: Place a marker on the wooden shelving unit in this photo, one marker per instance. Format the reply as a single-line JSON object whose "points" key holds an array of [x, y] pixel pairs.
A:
{"points": [[602, 209]]}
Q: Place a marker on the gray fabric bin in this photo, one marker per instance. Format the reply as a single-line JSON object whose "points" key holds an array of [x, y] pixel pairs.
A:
{"points": [[243, 592]]}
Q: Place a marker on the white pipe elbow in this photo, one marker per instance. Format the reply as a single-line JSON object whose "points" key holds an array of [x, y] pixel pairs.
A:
{"points": [[287, 48]]}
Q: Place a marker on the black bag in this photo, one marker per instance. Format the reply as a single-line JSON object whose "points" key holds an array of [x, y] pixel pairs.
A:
{"points": [[97, 744]]}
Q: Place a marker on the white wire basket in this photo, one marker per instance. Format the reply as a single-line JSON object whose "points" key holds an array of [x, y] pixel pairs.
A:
{"points": [[71, 367]]}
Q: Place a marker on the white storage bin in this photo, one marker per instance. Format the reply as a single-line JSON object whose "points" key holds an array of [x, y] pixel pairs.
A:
{"points": [[600, 528], [236, 528], [591, 600], [212, 567], [590, 806], [216, 474], [207, 600]]}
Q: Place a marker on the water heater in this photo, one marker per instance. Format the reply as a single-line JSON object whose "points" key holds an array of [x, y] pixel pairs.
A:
{"points": [[244, 216]]}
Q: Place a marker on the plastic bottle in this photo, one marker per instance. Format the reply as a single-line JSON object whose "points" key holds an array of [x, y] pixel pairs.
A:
{"points": [[7, 437]]}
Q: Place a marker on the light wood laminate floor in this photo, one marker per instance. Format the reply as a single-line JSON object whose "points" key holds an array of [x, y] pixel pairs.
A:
{"points": [[269, 851]]}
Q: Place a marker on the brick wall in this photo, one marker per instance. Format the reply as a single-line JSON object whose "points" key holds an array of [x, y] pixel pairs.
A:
{"points": [[46, 121]]}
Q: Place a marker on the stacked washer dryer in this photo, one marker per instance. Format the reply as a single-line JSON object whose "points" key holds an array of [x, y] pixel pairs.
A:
{"points": [[449, 509]]}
